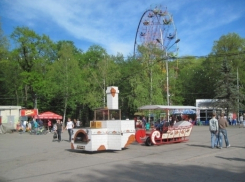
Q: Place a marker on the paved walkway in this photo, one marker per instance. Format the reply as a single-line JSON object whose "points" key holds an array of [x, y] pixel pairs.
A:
{"points": [[28, 158]]}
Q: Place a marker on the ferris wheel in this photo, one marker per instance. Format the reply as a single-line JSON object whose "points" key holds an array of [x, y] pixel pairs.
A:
{"points": [[157, 27]]}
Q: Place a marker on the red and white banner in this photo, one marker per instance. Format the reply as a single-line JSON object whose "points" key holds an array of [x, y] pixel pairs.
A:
{"points": [[28, 112]]}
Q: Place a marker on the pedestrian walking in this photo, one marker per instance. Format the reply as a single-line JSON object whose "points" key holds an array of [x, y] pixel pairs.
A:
{"points": [[222, 130], [243, 120], [55, 127], [35, 125], [75, 123], [230, 120], [29, 126], [240, 121], [59, 129], [49, 125], [54, 130], [69, 127], [214, 130], [24, 126], [143, 122], [78, 123]]}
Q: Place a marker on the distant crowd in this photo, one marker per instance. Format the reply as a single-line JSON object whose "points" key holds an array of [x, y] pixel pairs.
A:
{"points": [[48, 124]]}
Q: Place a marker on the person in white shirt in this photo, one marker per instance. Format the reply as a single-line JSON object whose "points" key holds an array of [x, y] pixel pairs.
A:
{"points": [[29, 125], [69, 127], [240, 121], [24, 126], [78, 123], [243, 120]]}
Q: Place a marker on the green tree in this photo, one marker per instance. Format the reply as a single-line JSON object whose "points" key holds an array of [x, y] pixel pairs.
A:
{"points": [[227, 51], [100, 72], [226, 91], [176, 97], [4, 46], [128, 68], [64, 80], [33, 53], [185, 80], [129, 83], [11, 76], [148, 81]]}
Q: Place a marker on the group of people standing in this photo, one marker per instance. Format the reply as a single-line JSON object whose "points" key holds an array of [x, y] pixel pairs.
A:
{"points": [[31, 125], [217, 128], [69, 125]]}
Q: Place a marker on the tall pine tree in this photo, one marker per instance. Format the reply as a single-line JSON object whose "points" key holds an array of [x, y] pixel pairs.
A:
{"points": [[226, 90], [228, 51]]}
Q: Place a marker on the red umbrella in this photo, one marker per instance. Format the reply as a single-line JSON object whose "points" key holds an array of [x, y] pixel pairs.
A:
{"points": [[48, 115]]}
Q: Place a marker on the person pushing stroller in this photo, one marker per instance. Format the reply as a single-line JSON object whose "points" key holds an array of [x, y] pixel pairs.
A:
{"points": [[55, 135], [57, 130]]}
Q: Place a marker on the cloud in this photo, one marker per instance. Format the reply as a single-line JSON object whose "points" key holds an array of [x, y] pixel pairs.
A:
{"points": [[100, 23], [201, 25], [112, 24]]}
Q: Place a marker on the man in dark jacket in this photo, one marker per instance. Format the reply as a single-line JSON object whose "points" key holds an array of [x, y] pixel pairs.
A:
{"points": [[59, 129], [222, 129]]}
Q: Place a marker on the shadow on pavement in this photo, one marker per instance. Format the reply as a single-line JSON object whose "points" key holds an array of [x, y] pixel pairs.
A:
{"points": [[232, 158], [140, 171], [92, 152], [203, 146]]}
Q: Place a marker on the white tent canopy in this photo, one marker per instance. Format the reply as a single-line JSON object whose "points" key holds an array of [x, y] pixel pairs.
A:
{"points": [[164, 107], [182, 123]]}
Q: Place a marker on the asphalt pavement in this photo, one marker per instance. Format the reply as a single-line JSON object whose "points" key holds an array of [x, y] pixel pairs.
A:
{"points": [[28, 158]]}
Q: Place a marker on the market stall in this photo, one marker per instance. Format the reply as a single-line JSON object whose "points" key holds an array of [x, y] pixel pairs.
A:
{"points": [[45, 116]]}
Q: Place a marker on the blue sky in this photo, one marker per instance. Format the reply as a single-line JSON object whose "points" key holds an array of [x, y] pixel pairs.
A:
{"points": [[113, 23]]}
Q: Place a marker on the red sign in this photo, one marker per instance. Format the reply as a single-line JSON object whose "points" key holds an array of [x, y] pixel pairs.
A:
{"points": [[28, 112]]}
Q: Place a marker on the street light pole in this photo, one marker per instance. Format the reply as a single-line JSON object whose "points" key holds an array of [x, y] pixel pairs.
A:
{"points": [[166, 55], [238, 96], [168, 95]]}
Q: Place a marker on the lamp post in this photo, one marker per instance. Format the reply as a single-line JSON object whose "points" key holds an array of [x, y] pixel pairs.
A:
{"points": [[166, 55], [238, 96], [104, 73]]}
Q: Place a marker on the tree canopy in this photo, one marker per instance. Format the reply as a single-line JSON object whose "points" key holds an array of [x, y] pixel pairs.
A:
{"points": [[58, 76]]}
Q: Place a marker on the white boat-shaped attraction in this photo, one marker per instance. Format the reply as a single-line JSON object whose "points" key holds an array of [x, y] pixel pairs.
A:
{"points": [[179, 132]]}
